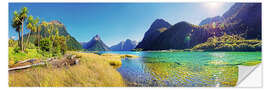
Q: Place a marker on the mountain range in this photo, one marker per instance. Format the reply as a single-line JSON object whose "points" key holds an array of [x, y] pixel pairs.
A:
{"points": [[95, 44], [242, 19], [124, 45]]}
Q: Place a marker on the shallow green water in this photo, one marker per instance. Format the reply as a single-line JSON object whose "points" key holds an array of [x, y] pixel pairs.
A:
{"points": [[184, 69]]}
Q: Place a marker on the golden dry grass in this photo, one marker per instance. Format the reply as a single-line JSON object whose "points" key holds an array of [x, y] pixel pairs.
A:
{"points": [[115, 59], [92, 71], [120, 55]]}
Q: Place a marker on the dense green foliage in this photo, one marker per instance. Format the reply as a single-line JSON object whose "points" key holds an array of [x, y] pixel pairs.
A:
{"points": [[59, 44], [12, 43], [229, 43], [55, 45], [50, 27], [43, 40], [45, 44], [73, 44], [15, 54]]}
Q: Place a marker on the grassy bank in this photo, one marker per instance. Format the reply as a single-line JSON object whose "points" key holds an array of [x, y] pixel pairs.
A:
{"points": [[229, 43], [15, 56], [92, 70]]}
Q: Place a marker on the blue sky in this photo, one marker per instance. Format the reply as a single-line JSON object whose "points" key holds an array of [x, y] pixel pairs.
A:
{"points": [[115, 22]]}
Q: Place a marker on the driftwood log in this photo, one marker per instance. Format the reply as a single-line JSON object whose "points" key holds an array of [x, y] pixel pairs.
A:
{"points": [[68, 60], [26, 66], [30, 60]]}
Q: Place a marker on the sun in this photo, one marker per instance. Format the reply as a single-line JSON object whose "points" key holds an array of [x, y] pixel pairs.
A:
{"points": [[213, 5]]}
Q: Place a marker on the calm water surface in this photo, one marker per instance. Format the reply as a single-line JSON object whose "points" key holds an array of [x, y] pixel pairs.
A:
{"points": [[185, 69]]}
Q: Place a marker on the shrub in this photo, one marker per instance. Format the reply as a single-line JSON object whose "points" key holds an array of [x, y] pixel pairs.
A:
{"points": [[60, 44], [45, 44], [14, 55], [229, 43], [30, 46], [251, 63], [137, 49], [12, 43]]}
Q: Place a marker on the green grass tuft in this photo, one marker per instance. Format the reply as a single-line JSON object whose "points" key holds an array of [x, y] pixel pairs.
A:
{"points": [[251, 63]]}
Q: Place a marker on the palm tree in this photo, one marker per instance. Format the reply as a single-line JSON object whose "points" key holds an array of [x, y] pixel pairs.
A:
{"points": [[38, 30], [43, 24], [18, 22], [17, 25], [51, 29], [56, 34], [32, 26]]}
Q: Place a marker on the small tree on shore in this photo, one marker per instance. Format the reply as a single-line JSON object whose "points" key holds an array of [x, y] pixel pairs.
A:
{"points": [[17, 25], [18, 22], [32, 25]]}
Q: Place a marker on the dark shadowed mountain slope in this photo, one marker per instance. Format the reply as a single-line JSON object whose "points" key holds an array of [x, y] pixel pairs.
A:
{"points": [[174, 37], [157, 27], [247, 18], [177, 37], [241, 19]]}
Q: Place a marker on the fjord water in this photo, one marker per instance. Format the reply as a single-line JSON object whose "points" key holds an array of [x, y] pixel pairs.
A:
{"points": [[185, 69]]}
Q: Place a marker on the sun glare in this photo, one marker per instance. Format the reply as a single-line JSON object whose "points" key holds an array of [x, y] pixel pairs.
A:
{"points": [[213, 5]]}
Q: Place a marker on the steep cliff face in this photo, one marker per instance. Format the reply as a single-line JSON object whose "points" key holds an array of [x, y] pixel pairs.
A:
{"points": [[158, 26], [95, 44], [124, 45]]}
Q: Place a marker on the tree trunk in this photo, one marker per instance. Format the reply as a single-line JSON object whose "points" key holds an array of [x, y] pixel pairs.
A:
{"points": [[27, 41], [22, 37], [19, 39], [38, 37]]}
